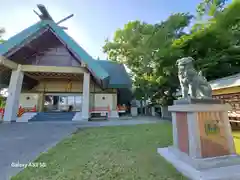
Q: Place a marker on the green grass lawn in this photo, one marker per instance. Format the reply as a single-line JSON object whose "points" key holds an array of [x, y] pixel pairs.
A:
{"points": [[236, 136], [108, 153]]}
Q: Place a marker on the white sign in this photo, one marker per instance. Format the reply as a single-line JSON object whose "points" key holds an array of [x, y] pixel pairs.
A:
{"points": [[103, 114]]}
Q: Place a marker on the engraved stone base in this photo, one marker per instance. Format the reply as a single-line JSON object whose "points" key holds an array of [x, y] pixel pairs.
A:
{"points": [[217, 168], [206, 163], [197, 101]]}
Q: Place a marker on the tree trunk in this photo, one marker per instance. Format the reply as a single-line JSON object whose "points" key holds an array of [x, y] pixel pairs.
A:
{"points": [[141, 107], [145, 100]]}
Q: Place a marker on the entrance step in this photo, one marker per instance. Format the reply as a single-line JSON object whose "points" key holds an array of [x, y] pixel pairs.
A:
{"points": [[98, 119], [53, 116]]}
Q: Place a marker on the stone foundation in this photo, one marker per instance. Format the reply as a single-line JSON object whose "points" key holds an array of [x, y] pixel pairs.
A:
{"points": [[202, 141]]}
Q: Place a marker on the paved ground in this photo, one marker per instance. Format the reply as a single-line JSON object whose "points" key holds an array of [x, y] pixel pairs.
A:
{"points": [[23, 142], [20, 142]]}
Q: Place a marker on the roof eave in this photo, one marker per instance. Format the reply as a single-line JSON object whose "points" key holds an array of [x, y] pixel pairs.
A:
{"points": [[120, 86], [99, 72], [17, 40]]}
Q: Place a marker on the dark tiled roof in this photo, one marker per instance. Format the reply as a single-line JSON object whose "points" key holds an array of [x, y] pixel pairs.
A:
{"points": [[119, 77], [102, 69]]}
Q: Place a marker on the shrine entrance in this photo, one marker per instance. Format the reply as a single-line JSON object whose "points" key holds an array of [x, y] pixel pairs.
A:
{"points": [[62, 102]]}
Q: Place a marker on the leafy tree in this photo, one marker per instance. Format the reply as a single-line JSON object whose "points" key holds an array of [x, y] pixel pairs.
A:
{"points": [[150, 50], [2, 31], [207, 10], [147, 51], [215, 47], [2, 101], [210, 7]]}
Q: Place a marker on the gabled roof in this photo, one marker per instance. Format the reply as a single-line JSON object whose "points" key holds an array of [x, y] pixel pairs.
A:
{"points": [[119, 78], [226, 82], [99, 72], [221, 83]]}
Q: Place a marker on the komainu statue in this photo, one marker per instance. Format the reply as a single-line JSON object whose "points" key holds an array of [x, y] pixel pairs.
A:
{"points": [[191, 80]]}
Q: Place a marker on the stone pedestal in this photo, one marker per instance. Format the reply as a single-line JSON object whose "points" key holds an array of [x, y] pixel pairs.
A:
{"points": [[113, 114], [203, 146], [134, 111], [153, 111]]}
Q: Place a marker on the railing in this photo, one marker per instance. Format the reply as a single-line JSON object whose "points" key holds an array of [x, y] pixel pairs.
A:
{"points": [[20, 112], [107, 109], [234, 116], [232, 99], [99, 109], [2, 110], [103, 111], [121, 108]]}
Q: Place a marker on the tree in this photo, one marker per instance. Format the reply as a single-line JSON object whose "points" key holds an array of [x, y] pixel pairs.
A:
{"points": [[207, 10], [2, 101], [215, 47], [147, 52], [2, 31], [210, 7], [151, 50]]}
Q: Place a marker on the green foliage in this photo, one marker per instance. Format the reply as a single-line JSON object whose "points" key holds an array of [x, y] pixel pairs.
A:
{"points": [[2, 101], [2, 31], [210, 7], [215, 47], [151, 50], [146, 50]]}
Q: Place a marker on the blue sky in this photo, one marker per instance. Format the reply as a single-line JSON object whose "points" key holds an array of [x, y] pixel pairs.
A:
{"points": [[94, 20]]}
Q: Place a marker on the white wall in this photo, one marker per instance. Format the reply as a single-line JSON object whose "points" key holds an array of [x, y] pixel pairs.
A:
{"points": [[64, 86], [103, 100], [28, 100]]}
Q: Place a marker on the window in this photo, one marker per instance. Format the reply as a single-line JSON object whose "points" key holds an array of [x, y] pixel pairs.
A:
{"points": [[71, 100], [63, 100]]}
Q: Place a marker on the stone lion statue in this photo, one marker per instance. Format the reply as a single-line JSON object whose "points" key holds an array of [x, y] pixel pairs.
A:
{"points": [[191, 80]]}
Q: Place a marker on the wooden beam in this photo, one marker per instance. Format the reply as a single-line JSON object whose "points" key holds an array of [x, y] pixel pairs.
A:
{"points": [[41, 76], [33, 77], [54, 69], [8, 63], [80, 78]]}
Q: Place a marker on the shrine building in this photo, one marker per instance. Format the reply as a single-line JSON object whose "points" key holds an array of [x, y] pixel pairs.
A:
{"points": [[45, 69], [228, 90]]}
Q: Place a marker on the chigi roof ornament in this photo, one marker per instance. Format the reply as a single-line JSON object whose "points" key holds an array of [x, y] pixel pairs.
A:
{"points": [[46, 16]]}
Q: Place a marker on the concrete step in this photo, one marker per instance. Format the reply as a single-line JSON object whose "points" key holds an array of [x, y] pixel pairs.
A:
{"points": [[53, 116]]}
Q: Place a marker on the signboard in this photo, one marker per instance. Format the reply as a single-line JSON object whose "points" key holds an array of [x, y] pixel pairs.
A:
{"points": [[103, 113], [211, 127]]}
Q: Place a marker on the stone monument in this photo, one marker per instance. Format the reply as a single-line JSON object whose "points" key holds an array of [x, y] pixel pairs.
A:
{"points": [[203, 146], [134, 108]]}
